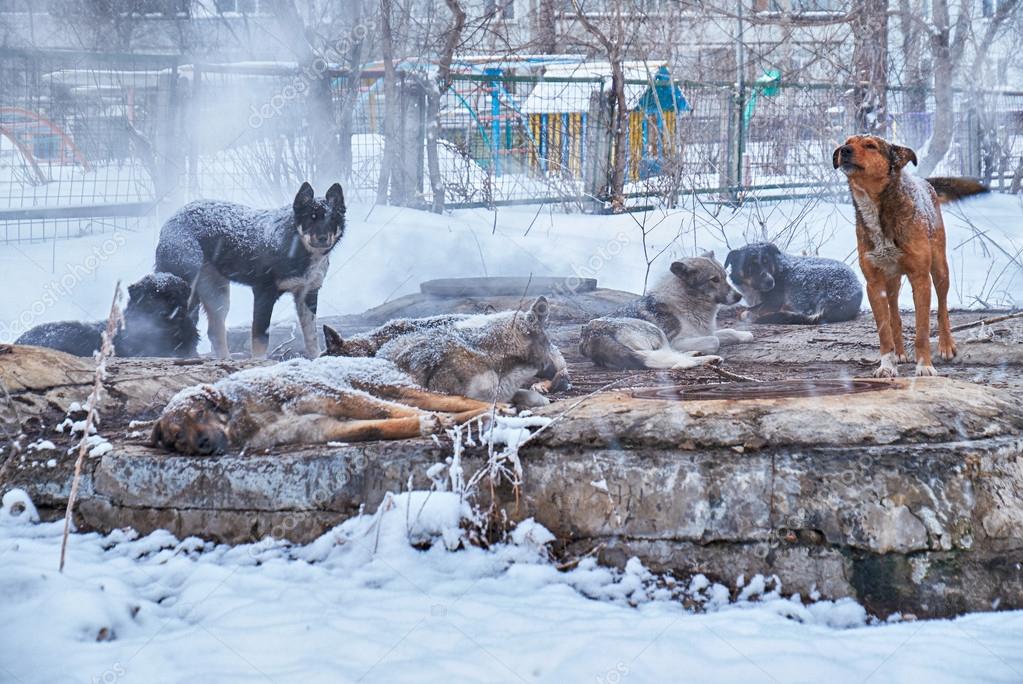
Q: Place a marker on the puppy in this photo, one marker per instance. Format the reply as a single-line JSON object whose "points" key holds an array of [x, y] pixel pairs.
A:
{"points": [[212, 244], [670, 325], [156, 323], [899, 231], [305, 402], [783, 288]]}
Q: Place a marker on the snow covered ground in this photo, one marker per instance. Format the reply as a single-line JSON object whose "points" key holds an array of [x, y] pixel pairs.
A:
{"points": [[388, 251], [362, 605]]}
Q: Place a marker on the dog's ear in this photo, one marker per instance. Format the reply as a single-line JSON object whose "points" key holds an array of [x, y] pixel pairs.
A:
{"points": [[336, 199], [900, 156], [135, 292], [708, 255], [681, 269], [539, 312], [732, 258], [835, 157], [304, 199], [334, 342]]}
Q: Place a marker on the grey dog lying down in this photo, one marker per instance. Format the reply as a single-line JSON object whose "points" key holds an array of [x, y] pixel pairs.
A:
{"points": [[490, 357], [670, 326]]}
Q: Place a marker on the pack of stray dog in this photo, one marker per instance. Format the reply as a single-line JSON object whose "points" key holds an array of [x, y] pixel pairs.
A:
{"points": [[411, 377]]}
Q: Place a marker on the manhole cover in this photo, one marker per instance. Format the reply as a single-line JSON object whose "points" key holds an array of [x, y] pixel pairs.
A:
{"points": [[781, 389]]}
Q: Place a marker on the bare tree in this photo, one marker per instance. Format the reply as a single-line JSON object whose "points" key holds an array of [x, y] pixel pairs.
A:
{"points": [[434, 93], [612, 40], [320, 103], [869, 21], [389, 185]]}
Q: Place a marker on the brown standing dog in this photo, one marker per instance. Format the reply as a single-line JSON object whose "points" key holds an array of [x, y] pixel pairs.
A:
{"points": [[899, 231]]}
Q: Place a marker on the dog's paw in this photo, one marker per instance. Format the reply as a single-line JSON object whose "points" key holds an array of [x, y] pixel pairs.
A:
{"points": [[925, 370], [524, 398], [947, 352], [743, 336], [543, 386], [708, 360], [886, 372], [888, 367], [430, 423]]}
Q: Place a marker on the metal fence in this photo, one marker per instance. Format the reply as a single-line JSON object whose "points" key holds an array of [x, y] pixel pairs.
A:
{"points": [[90, 142]]}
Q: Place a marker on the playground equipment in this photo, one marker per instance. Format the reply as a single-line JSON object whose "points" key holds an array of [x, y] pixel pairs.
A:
{"points": [[38, 139]]}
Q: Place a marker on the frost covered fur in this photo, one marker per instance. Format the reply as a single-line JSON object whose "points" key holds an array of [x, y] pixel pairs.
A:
{"points": [[669, 326], [490, 357], [306, 402], [156, 323], [212, 244]]}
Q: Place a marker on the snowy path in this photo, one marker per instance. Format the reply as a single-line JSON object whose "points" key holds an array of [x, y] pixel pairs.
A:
{"points": [[338, 611]]}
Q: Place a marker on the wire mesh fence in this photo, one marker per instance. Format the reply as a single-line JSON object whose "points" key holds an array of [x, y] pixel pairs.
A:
{"points": [[82, 130], [91, 142]]}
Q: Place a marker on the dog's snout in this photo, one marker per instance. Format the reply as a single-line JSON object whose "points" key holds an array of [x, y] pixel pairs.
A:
{"points": [[846, 151], [734, 297]]}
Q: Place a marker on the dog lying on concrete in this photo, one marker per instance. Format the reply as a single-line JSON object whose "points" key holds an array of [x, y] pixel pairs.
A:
{"points": [[212, 244], [156, 323], [900, 231], [490, 357], [669, 326], [784, 288], [306, 402]]}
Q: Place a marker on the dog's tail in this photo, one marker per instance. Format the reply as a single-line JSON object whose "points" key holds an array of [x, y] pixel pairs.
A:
{"points": [[955, 189]]}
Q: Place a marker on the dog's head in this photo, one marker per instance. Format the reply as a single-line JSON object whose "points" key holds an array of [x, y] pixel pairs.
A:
{"points": [[335, 345], [753, 267], [704, 277], [320, 222], [528, 332], [871, 159], [161, 294], [194, 423], [157, 320]]}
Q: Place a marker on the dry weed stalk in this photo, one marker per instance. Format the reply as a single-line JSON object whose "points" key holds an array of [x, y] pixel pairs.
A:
{"points": [[114, 321]]}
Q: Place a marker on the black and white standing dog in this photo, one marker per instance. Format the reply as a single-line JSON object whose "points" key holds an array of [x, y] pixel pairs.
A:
{"points": [[212, 244], [156, 323], [783, 288]]}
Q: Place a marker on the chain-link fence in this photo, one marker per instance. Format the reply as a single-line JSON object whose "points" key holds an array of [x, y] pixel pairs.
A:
{"points": [[90, 142], [83, 140]]}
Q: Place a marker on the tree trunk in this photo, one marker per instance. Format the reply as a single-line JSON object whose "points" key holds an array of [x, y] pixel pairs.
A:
{"points": [[941, 134], [388, 187], [546, 27], [620, 128], [869, 23], [321, 126], [434, 92], [349, 96]]}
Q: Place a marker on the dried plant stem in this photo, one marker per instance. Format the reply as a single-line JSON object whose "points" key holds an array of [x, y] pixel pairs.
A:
{"points": [[729, 375], [985, 321], [114, 321]]}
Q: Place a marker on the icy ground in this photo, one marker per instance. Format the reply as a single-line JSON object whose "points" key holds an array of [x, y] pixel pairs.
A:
{"points": [[388, 251], [361, 604]]}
